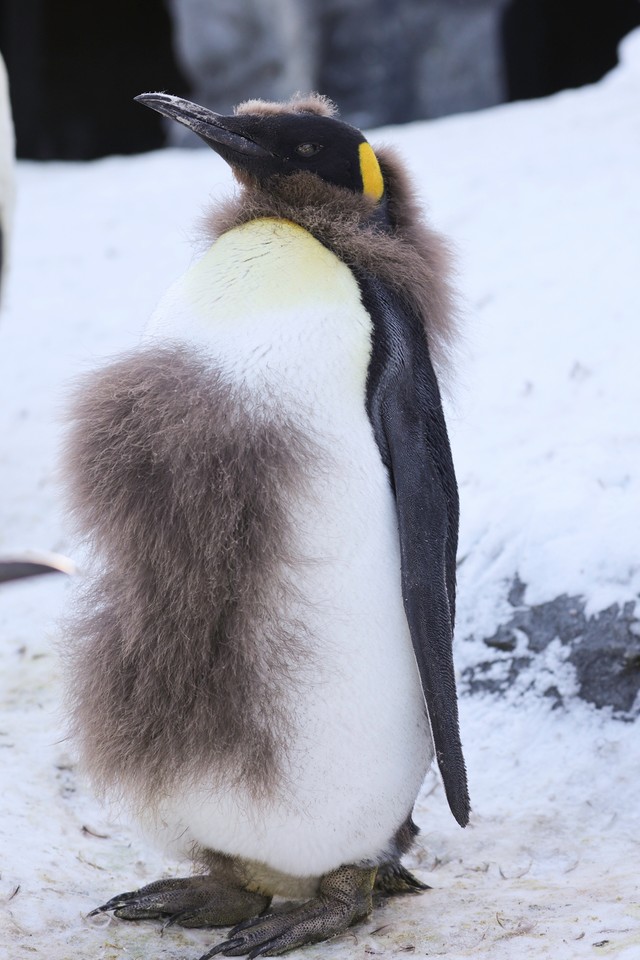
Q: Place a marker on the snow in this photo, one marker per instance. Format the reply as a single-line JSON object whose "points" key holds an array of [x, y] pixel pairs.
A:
{"points": [[543, 201]]}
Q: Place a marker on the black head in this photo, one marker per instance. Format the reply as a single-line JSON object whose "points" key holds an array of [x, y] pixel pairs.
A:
{"points": [[265, 140]]}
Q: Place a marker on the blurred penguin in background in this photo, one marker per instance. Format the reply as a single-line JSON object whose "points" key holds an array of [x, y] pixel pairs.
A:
{"points": [[23, 565], [7, 147]]}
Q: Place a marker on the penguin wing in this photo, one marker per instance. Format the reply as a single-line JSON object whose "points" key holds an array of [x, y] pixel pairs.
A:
{"points": [[405, 409]]}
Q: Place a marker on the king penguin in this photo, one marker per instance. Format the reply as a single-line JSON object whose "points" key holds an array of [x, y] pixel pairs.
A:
{"points": [[261, 663], [7, 163]]}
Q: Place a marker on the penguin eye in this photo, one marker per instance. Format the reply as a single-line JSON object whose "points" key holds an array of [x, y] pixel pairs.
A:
{"points": [[308, 149]]}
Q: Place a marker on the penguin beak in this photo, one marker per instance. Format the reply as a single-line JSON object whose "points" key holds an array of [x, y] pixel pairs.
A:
{"points": [[223, 134]]}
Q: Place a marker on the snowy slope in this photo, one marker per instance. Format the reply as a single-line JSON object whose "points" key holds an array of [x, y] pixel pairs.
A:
{"points": [[543, 201]]}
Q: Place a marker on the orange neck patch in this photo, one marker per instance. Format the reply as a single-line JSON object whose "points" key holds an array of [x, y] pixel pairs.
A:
{"points": [[372, 182]]}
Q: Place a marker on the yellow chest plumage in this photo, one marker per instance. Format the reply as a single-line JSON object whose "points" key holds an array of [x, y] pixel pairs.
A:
{"points": [[267, 264], [268, 301]]}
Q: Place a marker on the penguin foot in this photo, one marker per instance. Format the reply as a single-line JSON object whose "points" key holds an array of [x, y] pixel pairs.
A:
{"points": [[344, 897], [189, 902], [392, 878]]}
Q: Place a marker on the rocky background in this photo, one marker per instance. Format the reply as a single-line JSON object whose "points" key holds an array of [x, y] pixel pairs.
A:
{"points": [[382, 62], [601, 649], [75, 67]]}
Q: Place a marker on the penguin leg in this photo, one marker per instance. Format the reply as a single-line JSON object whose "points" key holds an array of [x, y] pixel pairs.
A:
{"points": [[344, 896], [217, 899]]}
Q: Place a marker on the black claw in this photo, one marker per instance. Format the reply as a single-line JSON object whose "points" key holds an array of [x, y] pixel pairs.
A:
{"points": [[178, 917], [234, 943], [399, 881], [112, 904], [222, 948], [247, 924], [210, 953], [263, 948], [257, 951], [419, 885]]}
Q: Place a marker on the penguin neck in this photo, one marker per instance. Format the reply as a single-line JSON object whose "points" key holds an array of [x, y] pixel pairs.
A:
{"points": [[388, 239]]}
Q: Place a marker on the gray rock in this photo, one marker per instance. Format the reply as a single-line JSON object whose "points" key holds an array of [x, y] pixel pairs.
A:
{"points": [[603, 649], [460, 66], [233, 50], [387, 63], [381, 62]]}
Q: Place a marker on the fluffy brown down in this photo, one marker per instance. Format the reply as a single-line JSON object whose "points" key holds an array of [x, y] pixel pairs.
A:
{"points": [[412, 258], [300, 103], [176, 658]]}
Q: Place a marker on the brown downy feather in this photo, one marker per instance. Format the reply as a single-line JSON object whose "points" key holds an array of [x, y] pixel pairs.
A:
{"points": [[299, 103], [412, 258], [178, 650]]}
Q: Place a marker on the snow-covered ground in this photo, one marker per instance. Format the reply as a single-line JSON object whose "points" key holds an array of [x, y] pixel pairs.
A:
{"points": [[543, 201]]}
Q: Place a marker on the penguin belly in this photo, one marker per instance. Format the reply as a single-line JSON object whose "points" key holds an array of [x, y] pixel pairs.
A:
{"points": [[282, 317]]}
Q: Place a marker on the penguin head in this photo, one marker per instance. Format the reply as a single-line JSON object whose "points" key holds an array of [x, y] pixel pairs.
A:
{"points": [[266, 140]]}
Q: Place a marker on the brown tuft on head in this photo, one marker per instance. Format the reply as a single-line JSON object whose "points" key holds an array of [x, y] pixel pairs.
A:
{"points": [[410, 257], [183, 643], [315, 103]]}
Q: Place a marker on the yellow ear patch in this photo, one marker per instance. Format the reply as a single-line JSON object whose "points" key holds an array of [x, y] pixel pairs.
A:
{"points": [[372, 182]]}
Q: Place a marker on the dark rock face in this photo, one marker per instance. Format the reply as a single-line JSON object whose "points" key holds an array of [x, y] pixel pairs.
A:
{"points": [[604, 650], [232, 50], [74, 69], [381, 62], [392, 63], [550, 46], [395, 62]]}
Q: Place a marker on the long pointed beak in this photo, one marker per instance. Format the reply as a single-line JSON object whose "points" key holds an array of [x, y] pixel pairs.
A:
{"points": [[220, 133]]}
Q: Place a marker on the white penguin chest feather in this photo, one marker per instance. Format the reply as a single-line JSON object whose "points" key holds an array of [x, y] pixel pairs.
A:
{"points": [[281, 315]]}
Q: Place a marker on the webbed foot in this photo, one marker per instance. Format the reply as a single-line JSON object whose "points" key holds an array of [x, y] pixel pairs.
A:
{"points": [[189, 901], [344, 896]]}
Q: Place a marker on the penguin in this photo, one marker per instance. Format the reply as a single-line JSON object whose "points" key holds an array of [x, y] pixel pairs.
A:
{"points": [[261, 662], [22, 565], [7, 187]]}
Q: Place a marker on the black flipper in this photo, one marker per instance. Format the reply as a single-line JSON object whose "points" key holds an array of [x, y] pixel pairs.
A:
{"points": [[405, 409], [32, 565]]}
